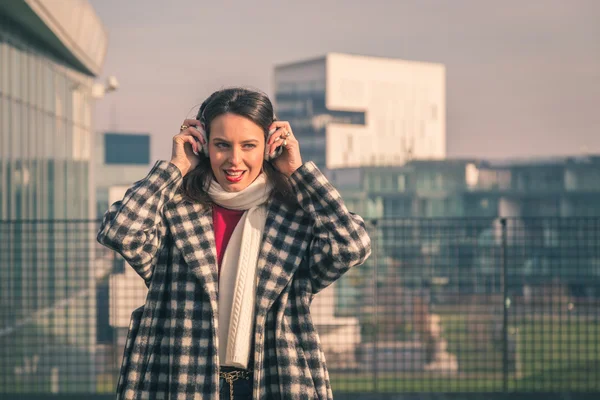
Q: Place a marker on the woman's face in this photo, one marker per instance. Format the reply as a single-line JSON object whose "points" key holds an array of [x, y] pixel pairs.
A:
{"points": [[236, 149]]}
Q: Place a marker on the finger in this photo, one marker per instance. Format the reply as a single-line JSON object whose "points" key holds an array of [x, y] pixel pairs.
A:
{"points": [[193, 143], [281, 128], [197, 132], [275, 137], [281, 124], [191, 122], [279, 134], [275, 143], [287, 144], [272, 148]]}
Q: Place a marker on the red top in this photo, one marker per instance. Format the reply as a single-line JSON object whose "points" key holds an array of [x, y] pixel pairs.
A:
{"points": [[224, 222]]}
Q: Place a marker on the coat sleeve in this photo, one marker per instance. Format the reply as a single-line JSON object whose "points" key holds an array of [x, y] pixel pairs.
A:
{"points": [[340, 240], [134, 226]]}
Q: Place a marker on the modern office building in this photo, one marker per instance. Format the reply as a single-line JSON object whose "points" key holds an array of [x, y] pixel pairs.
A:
{"points": [[551, 187], [50, 54], [454, 208], [122, 158], [356, 111], [541, 187]]}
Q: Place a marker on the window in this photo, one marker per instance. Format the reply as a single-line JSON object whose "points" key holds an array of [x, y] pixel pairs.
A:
{"points": [[126, 149], [15, 79], [401, 183], [4, 68], [434, 112]]}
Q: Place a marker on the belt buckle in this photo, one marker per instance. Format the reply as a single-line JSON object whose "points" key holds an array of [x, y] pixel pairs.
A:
{"points": [[231, 377]]}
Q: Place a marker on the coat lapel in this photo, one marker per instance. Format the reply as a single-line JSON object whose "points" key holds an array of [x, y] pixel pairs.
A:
{"points": [[280, 255], [192, 230]]}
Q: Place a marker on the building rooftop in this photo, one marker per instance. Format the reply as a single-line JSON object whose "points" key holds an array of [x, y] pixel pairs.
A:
{"points": [[351, 55], [541, 161], [70, 29]]}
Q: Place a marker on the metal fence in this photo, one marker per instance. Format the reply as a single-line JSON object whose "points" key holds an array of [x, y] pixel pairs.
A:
{"points": [[442, 305]]}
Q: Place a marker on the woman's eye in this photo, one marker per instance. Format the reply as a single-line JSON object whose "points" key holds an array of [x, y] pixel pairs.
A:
{"points": [[222, 145]]}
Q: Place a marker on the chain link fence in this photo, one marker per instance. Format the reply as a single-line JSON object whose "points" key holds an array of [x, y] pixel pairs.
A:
{"points": [[442, 306]]}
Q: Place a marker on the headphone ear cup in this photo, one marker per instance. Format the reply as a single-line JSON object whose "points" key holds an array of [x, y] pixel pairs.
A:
{"points": [[278, 150], [204, 147], [267, 155]]}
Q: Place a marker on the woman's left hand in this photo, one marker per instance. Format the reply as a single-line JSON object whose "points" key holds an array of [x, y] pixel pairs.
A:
{"points": [[290, 160]]}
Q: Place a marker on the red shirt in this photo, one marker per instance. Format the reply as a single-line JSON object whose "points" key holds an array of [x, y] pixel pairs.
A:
{"points": [[224, 222]]}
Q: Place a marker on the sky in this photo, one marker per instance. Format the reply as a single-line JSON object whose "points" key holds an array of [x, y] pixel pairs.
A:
{"points": [[522, 77]]}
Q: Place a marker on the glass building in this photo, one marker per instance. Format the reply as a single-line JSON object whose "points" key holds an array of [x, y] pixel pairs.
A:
{"points": [[435, 196], [121, 158], [50, 53]]}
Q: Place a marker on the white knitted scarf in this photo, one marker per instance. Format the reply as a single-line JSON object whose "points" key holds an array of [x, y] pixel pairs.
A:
{"points": [[237, 286]]}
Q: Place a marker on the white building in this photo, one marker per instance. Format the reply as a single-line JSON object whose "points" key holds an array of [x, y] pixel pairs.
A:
{"points": [[351, 110]]}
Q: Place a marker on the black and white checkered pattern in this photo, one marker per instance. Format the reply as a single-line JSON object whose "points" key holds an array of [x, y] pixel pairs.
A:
{"points": [[171, 350]]}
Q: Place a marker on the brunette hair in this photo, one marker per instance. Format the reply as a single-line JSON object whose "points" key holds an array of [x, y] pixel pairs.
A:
{"points": [[247, 103]]}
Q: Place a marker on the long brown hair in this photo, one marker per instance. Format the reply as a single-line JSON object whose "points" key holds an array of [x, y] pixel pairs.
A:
{"points": [[250, 104]]}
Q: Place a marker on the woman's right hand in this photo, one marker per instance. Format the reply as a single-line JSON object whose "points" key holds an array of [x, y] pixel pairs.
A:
{"points": [[186, 150]]}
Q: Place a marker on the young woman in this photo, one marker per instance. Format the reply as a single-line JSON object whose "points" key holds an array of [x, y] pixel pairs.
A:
{"points": [[233, 237]]}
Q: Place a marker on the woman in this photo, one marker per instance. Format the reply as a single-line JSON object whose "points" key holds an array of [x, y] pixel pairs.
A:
{"points": [[232, 244]]}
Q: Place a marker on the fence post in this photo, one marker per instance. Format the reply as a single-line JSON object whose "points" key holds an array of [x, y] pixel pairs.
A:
{"points": [[375, 315], [505, 305]]}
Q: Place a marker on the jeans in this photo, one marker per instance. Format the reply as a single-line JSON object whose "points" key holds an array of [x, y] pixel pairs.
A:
{"points": [[242, 389]]}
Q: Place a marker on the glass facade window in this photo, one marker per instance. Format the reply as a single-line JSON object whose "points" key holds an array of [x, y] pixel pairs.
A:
{"points": [[303, 105], [45, 117], [401, 182], [45, 126], [126, 149], [397, 207]]}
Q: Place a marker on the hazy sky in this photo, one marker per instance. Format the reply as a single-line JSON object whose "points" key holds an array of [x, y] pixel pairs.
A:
{"points": [[523, 77]]}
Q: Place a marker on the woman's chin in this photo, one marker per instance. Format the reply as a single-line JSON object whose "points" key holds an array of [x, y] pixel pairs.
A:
{"points": [[233, 186]]}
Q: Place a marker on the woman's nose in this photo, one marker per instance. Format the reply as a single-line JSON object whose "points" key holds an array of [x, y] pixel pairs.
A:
{"points": [[235, 156]]}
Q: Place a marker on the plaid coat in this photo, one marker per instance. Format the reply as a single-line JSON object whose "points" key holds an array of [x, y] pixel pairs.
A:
{"points": [[171, 348]]}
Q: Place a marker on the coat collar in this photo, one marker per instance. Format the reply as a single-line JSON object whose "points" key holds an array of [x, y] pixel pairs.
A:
{"points": [[193, 234]]}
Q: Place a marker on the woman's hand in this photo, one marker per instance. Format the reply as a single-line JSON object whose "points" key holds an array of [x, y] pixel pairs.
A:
{"points": [[186, 149], [290, 160]]}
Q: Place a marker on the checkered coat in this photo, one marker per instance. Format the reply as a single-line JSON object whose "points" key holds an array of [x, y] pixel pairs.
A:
{"points": [[171, 349]]}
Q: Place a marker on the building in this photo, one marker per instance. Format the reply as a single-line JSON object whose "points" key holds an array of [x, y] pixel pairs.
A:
{"points": [[50, 54], [435, 217], [472, 188], [122, 158], [541, 187], [355, 111]]}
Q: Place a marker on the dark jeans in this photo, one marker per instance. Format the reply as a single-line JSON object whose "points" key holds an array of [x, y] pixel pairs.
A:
{"points": [[242, 389]]}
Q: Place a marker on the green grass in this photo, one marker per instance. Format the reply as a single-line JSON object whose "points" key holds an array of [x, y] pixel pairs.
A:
{"points": [[563, 356], [413, 382], [554, 355]]}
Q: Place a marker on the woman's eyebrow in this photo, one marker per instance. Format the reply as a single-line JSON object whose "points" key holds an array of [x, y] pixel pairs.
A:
{"points": [[228, 142]]}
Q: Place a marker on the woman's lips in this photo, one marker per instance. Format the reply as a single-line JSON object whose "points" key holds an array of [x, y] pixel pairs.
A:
{"points": [[234, 178]]}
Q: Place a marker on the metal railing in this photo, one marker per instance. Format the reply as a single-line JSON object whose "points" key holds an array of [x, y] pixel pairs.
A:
{"points": [[442, 305]]}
